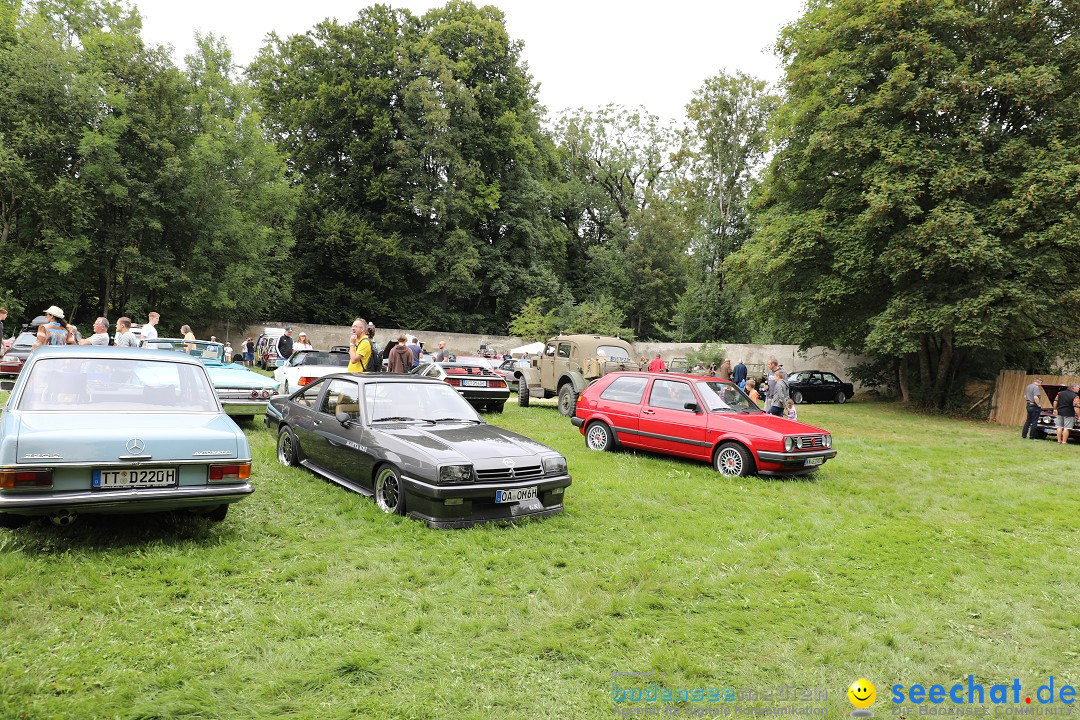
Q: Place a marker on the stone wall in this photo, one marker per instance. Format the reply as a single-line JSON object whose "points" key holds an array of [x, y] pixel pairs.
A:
{"points": [[755, 356]]}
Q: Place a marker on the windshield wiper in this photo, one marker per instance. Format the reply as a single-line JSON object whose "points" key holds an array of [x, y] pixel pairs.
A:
{"points": [[454, 419], [395, 418]]}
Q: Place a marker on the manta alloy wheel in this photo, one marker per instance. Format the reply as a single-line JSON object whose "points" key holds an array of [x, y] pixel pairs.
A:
{"points": [[389, 494], [733, 460], [288, 452]]}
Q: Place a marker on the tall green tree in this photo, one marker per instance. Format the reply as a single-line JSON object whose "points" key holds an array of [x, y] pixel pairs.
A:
{"points": [[923, 204], [418, 151], [126, 184], [614, 198], [726, 143]]}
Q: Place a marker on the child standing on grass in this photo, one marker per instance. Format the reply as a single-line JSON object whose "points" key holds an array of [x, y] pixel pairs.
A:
{"points": [[790, 412]]}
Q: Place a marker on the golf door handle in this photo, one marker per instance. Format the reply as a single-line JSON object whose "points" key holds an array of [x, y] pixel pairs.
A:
{"points": [[648, 412]]}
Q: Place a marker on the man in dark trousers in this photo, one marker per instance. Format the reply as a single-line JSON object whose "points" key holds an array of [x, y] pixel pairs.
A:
{"points": [[1034, 409], [1067, 407]]}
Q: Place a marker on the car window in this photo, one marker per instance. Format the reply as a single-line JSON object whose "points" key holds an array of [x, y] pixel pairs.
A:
{"points": [[799, 377], [814, 378], [433, 371], [830, 378], [420, 401], [625, 389], [342, 396], [309, 395], [724, 397], [564, 350], [549, 351], [671, 395], [114, 384], [613, 353]]}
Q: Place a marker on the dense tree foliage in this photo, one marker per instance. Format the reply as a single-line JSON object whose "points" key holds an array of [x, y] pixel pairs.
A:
{"points": [[726, 142], [127, 184], [923, 205], [417, 146]]}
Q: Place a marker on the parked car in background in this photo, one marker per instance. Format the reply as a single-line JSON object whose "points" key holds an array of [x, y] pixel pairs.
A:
{"points": [[511, 371], [418, 448], [1047, 427], [476, 382], [306, 366], [569, 364], [117, 430], [243, 392], [697, 417], [16, 356], [266, 354], [815, 386]]}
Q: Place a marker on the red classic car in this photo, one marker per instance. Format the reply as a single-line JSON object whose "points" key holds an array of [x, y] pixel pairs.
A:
{"points": [[697, 417]]}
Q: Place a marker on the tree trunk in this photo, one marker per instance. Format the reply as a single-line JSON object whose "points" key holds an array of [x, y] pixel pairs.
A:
{"points": [[925, 379], [941, 381], [902, 374]]}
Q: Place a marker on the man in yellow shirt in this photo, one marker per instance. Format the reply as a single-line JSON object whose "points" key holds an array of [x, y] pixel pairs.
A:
{"points": [[359, 347]]}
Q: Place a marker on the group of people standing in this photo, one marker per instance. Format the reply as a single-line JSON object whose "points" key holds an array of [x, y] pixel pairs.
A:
{"points": [[1066, 409], [56, 330]]}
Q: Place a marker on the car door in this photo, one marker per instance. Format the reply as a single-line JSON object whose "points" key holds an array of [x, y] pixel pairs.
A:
{"points": [[666, 425], [336, 444], [302, 415], [831, 385], [621, 403]]}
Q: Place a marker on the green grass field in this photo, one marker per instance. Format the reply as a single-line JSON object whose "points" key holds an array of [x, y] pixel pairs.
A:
{"points": [[930, 549]]}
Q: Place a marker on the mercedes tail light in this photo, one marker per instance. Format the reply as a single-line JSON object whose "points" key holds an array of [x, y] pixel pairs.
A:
{"points": [[230, 473], [11, 478]]}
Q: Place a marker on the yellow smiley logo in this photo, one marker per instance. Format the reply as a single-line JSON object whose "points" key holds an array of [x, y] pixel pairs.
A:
{"points": [[862, 693]]}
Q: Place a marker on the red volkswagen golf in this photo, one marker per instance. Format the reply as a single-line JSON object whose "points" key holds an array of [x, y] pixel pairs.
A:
{"points": [[697, 417]]}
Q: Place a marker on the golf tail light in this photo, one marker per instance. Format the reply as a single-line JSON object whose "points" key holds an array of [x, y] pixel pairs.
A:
{"points": [[14, 479], [305, 381], [230, 473]]}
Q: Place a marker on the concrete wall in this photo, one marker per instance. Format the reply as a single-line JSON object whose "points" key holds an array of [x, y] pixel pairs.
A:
{"points": [[323, 336]]}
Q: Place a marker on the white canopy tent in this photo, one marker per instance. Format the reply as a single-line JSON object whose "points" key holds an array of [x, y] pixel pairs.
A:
{"points": [[531, 348]]}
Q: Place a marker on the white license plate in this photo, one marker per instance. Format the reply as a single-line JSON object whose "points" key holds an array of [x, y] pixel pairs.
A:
{"points": [[815, 461], [474, 383], [134, 478], [515, 495]]}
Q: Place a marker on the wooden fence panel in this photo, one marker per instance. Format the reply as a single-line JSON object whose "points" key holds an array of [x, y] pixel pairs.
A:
{"points": [[1009, 407]]}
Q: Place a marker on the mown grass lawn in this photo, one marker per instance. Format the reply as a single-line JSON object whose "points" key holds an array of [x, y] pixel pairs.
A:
{"points": [[930, 549]]}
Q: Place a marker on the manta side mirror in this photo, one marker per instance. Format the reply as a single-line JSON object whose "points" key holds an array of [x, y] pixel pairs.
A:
{"points": [[343, 417]]}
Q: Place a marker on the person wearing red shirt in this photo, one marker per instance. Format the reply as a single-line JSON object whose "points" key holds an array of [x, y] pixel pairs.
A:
{"points": [[657, 365]]}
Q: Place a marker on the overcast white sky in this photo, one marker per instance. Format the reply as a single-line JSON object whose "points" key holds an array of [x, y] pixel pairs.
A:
{"points": [[582, 53]]}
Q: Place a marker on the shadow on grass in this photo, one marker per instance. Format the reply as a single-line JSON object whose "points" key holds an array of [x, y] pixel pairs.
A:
{"points": [[697, 464], [113, 532]]}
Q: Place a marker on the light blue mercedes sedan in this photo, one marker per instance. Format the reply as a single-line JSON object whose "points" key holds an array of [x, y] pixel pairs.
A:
{"points": [[117, 430]]}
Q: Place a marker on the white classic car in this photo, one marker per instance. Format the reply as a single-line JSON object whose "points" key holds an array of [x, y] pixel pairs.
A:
{"points": [[307, 366]]}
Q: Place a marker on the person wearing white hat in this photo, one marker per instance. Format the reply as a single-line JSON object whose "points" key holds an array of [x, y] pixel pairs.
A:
{"points": [[55, 330], [302, 343]]}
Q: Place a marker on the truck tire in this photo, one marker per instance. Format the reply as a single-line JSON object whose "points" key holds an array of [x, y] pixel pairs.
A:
{"points": [[567, 400], [523, 392]]}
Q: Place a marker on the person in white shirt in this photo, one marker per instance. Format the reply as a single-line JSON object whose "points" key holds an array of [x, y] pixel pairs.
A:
{"points": [[302, 343], [149, 331], [101, 333]]}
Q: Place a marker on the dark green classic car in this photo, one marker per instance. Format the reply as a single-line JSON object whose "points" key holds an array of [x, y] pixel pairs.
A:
{"points": [[418, 447]]}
